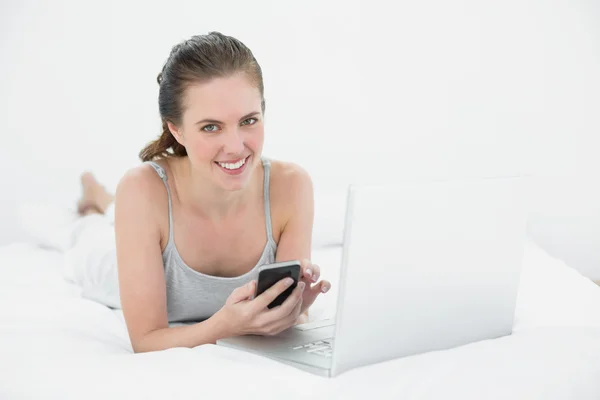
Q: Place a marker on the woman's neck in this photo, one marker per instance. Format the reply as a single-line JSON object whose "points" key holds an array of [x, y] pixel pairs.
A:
{"points": [[206, 198]]}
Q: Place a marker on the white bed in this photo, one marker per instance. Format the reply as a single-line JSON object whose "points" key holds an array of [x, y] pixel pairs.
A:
{"points": [[55, 344]]}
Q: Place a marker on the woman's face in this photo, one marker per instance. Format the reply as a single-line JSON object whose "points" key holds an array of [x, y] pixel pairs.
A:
{"points": [[222, 130]]}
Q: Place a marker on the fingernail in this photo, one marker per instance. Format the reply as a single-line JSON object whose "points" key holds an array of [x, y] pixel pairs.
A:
{"points": [[301, 286], [309, 272], [288, 281], [324, 289], [314, 278]]}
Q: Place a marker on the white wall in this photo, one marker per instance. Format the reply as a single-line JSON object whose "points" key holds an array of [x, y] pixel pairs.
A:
{"points": [[355, 92]]}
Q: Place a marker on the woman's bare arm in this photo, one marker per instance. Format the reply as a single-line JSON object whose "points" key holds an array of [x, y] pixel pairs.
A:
{"points": [[294, 186], [140, 198]]}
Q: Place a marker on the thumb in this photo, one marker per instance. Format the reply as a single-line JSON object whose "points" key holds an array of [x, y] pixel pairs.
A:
{"points": [[242, 293]]}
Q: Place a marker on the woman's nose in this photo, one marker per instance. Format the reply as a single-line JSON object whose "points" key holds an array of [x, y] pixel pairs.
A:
{"points": [[233, 142]]}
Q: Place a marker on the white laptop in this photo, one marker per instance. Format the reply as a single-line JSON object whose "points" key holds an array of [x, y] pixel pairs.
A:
{"points": [[425, 266]]}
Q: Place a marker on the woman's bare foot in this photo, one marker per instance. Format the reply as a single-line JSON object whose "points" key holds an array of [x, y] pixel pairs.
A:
{"points": [[95, 198]]}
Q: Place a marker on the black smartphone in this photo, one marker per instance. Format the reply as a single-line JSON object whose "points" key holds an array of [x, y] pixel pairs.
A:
{"points": [[270, 274]]}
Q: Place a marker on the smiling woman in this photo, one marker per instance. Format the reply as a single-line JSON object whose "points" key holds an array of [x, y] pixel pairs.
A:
{"points": [[204, 210]]}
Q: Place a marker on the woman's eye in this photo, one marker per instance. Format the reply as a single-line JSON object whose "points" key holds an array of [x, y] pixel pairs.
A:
{"points": [[249, 121], [210, 128]]}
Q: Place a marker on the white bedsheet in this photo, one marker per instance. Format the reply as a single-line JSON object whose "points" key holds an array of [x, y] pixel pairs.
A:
{"points": [[54, 344]]}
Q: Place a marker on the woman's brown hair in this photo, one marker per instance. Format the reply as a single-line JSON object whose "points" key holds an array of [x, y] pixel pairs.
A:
{"points": [[198, 59]]}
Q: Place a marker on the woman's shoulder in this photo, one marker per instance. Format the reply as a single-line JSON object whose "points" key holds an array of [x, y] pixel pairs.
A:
{"points": [[290, 184], [142, 179], [142, 200], [287, 175], [142, 186]]}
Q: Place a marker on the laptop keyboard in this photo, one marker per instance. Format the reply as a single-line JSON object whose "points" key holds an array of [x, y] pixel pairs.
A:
{"points": [[319, 347]]}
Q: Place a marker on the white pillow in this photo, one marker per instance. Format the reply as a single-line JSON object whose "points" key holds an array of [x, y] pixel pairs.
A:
{"points": [[553, 294], [330, 213], [47, 225], [565, 220]]}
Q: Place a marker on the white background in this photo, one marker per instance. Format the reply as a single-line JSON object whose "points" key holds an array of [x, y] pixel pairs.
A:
{"points": [[355, 91]]}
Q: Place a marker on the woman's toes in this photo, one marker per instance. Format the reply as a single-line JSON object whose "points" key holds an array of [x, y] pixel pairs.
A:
{"points": [[88, 180]]}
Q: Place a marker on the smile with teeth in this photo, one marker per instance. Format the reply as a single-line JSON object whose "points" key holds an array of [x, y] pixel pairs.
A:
{"points": [[233, 166]]}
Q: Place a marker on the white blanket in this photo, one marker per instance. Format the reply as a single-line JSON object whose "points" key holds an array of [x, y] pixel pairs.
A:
{"points": [[54, 344]]}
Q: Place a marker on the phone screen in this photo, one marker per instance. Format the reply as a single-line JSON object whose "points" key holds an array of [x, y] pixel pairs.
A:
{"points": [[270, 276]]}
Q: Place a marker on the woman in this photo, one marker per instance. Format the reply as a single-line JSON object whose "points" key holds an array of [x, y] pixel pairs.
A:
{"points": [[195, 221]]}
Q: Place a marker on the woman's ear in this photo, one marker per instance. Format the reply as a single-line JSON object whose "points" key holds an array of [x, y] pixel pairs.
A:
{"points": [[177, 134]]}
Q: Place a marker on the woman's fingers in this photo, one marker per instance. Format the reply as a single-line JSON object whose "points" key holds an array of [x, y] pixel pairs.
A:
{"points": [[310, 294], [272, 320], [242, 293], [288, 306], [287, 321], [310, 272], [325, 286], [264, 299]]}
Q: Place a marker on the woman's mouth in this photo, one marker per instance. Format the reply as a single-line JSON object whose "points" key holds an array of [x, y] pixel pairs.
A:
{"points": [[233, 167]]}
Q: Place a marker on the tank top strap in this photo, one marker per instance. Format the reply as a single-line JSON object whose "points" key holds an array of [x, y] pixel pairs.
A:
{"points": [[266, 199], [163, 175]]}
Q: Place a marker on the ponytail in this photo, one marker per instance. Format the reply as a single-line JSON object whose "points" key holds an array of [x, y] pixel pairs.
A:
{"points": [[163, 147]]}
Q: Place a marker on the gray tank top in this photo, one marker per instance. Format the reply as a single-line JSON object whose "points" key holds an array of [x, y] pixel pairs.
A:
{"points": [[193, 296]]}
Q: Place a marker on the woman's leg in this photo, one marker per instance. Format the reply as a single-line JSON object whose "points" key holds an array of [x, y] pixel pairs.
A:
{"points": [[91, 260], [95, 198]]}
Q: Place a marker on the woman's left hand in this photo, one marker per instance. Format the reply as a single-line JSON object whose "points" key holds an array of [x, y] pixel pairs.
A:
{"points": [[310, 274]]}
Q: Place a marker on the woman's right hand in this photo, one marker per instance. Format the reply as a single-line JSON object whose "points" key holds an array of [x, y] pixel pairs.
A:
{"points": [[244, 315]]}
